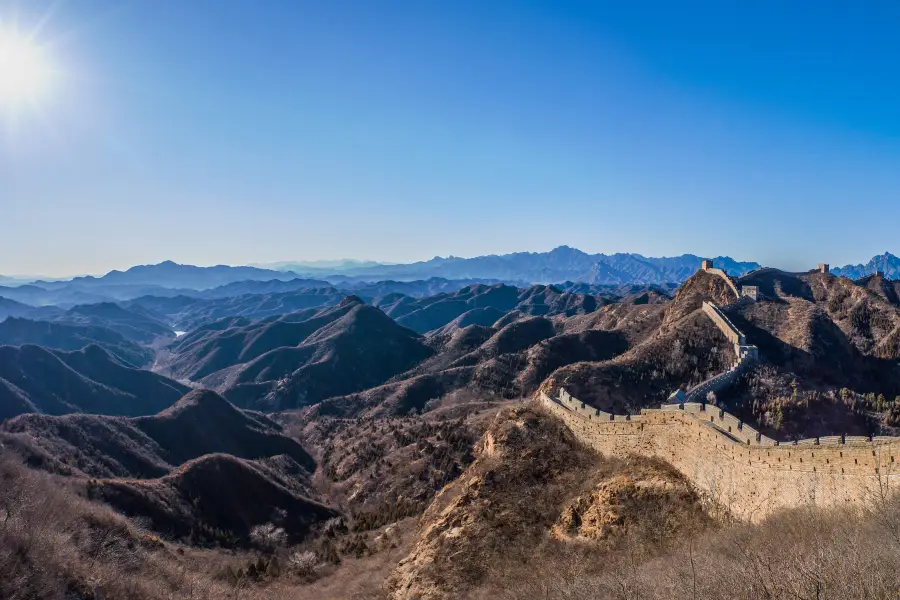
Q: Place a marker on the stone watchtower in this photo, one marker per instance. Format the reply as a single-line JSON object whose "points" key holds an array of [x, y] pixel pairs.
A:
{"points": [[706, 265], [824, 268], [750, 291]]}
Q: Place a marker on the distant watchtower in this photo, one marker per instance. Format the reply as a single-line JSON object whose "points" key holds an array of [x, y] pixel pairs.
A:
{"points": [[879, 274], [824, 268], [706, 265], [750, 291]]}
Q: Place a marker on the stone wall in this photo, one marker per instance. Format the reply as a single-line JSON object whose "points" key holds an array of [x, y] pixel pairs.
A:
{"points": [[714, 384], [744, 353], [733, 465], [734, 335]]}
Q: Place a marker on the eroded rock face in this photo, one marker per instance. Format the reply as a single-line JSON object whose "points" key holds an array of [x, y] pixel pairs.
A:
{"points": [[491, 506], [652, 495]]}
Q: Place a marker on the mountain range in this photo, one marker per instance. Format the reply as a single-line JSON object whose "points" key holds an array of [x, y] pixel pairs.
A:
{"points": [[556, 266], [562, 264], [385, 441], [64, 336], [886, 263]]}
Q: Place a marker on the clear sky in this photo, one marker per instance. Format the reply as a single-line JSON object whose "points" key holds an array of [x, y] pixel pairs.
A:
{"points": [[219, 131]]}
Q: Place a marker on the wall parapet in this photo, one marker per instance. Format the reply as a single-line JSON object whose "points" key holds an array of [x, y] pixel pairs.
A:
{"points": [[734, 335]]}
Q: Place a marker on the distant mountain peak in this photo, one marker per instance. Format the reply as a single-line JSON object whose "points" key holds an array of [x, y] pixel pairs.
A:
{"points": [[567, 250], [352, 299], [203, 400]]}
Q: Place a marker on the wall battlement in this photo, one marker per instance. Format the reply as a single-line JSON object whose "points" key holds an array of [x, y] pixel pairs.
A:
{"points": [[732, 464]]}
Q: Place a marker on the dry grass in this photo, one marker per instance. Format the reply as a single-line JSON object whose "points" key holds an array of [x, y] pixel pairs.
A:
{"points": [[802, 554], [363, 578], [536, 516], [56, 545]]}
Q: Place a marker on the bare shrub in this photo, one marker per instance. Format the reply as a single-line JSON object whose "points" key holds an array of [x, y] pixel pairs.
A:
{"points": [[303, 561], [268, 536]]}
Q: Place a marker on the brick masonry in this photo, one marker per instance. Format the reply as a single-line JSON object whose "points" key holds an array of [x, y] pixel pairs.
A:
{"points": [[732, 465]]}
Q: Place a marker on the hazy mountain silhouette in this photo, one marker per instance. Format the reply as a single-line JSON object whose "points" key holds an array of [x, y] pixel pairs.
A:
{"points": [[170, 274], [11, 308], [64, 336], [434, 312], [560, 264], [138, 324], [91, 380]]}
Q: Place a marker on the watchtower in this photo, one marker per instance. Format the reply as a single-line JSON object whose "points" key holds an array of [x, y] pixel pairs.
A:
{"points": [[750, 291], [706, 265], [824, 268], [879, 274]]}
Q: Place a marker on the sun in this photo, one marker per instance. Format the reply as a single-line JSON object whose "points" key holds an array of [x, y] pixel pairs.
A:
{"points": [[24, 72]]}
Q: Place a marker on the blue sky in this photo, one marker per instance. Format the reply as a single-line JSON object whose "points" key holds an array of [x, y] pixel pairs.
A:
{"points": [[217, 131]]}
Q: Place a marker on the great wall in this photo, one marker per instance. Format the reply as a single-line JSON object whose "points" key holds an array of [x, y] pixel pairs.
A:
{"points": [[744, 354], [734, 466]]}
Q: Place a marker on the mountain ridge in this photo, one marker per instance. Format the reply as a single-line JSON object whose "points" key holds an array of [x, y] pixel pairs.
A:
{"points": [[558, 265]]}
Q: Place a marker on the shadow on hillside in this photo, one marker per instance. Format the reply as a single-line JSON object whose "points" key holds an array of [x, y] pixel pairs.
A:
{"points": [[773, 284], [835, 362]]}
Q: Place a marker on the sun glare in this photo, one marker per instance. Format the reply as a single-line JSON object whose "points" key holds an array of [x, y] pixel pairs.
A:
{"points": [[24, 72]]}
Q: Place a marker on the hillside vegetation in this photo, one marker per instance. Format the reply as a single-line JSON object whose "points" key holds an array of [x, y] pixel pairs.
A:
{"points": [[34, 379]]}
